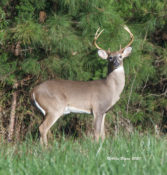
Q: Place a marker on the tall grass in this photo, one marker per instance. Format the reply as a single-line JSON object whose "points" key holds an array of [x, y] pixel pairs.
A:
{"points": [[132, 155]]}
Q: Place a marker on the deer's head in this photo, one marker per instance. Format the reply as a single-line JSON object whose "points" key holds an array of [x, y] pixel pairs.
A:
{"points": [[114, 58]]}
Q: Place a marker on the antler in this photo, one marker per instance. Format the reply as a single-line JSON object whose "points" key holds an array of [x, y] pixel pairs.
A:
{"points": [[97, 34], [131, 41]]}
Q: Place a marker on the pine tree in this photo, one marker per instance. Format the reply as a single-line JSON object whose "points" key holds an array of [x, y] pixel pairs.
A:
{"points": [[53, 39]]}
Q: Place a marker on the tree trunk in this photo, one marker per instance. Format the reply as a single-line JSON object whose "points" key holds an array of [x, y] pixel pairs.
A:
{"points": [[12, 114]]}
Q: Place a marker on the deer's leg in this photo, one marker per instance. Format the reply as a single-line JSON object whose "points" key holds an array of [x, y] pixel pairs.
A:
{"points": [[99, 129], [102, 134], [97, 126], [51, 118]]}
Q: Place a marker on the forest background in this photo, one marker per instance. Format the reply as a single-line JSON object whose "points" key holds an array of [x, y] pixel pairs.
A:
{"points": [[52, 39]]}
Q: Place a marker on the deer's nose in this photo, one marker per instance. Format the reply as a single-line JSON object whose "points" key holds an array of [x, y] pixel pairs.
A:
{"points": [[116, 63]]}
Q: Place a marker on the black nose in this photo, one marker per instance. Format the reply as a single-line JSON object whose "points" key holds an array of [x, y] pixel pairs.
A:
{"points": [[116, 63]]}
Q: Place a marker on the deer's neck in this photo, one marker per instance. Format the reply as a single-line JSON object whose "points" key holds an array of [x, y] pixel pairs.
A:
{"points": [[116, 80]]}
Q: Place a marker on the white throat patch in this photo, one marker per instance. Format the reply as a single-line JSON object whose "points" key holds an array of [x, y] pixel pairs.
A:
{"points": [[119, 69]]}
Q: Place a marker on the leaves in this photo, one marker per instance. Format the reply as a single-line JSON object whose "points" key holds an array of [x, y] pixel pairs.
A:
{"points": [[28, 33], [61, 47]]}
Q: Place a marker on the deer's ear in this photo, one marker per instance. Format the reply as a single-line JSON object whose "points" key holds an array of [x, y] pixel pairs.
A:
{"points": [[126, 52], [102, 54]]}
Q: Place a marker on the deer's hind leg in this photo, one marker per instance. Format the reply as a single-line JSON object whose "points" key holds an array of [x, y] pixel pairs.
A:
{"points": [[54, 110], [49, 121]]}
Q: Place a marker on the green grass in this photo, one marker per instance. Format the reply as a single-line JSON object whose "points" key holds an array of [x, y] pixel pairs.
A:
{"points": [[84, 157]]}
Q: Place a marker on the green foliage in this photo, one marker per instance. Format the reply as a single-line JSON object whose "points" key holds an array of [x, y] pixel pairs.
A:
{"points": [[26, 9], [60, 46], [7, 69], [60, 36], [31, 66], [28, 33], [3, 22]]}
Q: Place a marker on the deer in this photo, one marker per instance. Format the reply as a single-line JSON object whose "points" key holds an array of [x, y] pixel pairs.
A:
{"points": [[55, 98]]}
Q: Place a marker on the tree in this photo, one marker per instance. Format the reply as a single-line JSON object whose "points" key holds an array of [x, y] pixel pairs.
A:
{"points": [[53, 39]]}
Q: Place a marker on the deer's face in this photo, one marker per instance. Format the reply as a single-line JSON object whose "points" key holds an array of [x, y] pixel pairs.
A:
{"points": [[115, 59]]}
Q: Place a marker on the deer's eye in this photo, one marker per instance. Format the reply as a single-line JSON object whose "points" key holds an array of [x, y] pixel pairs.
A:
{"points": [[110, 58], [120, 56]]}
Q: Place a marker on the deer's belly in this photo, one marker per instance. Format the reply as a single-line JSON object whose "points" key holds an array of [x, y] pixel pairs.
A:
{"points": [[70, 109]]}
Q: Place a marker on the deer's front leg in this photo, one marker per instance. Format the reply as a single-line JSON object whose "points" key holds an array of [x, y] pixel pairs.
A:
{"points": [[99, 131]]}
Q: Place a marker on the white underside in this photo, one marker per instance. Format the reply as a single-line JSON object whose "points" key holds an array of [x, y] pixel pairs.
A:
{"points": [[38, 106], [70, 109]]}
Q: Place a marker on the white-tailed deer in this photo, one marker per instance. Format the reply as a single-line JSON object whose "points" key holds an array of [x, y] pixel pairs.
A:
{"points": [[55, 98]]}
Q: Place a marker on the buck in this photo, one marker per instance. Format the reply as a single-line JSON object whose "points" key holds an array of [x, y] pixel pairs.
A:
{"points": [[56, 98]]}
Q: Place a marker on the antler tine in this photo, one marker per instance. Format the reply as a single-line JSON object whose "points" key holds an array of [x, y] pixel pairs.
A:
{"points": [[97, 31], [132, 38], [97, 34]]}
